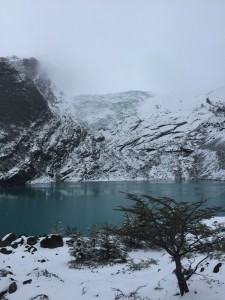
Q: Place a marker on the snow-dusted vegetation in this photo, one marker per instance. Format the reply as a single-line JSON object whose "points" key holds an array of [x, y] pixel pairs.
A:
{"points": [[46, 273], [160, 255]]}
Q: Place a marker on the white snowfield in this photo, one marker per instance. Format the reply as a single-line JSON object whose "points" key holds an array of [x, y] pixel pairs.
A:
{"points": [[49, 276]]}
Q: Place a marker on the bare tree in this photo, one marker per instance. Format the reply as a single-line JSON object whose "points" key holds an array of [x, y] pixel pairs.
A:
{"points": [[174, 226]]}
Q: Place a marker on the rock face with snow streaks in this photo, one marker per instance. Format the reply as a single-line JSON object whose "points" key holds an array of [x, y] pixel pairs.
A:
{"points": [[130, 135], [34, 138], [136, 135]]}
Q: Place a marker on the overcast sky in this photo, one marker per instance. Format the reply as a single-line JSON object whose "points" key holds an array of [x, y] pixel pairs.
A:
{"points": [[103, 46]]}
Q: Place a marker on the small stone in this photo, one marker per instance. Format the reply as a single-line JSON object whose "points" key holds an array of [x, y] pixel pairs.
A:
{"points": [[32, 249], [12, 287], [42, 261], [27, 281], [217, 268], [40, 297]]}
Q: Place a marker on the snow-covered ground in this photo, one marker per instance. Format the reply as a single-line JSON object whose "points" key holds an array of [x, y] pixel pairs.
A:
{"points": [[50, 275]]}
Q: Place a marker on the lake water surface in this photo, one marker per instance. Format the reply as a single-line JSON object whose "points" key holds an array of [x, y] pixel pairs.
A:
{"points": [[35, 209]]}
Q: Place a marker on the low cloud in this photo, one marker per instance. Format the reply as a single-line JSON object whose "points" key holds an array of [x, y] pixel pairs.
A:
{"points": [[107, 46]]}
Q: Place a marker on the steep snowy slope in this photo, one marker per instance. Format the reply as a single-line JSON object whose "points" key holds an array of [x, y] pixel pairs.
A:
{"points": [[35, 139], [130, 135], [138, 135]]}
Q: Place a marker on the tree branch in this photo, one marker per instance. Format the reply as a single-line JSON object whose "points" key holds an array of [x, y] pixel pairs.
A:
{"points": [[195, 269]]}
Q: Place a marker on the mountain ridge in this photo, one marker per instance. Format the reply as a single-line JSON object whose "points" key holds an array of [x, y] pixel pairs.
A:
{"points": [[132, 135]]}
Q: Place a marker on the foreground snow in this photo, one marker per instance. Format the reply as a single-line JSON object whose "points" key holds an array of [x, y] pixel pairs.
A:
{"points": [[51, 276]]}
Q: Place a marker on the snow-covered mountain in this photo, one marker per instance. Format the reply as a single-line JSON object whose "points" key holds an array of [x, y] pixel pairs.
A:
{"points": [[124, 136], [35, 139]]}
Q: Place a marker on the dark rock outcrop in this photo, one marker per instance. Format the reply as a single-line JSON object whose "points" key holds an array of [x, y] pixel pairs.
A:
{"points": [[21, 102], [51, 242], [34, 140]]}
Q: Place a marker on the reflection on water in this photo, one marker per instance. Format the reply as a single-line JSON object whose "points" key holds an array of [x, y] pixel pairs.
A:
{"points": [[35, 209]]}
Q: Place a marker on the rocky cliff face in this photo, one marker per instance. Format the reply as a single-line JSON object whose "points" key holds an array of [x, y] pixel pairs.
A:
{"points": [[35, 139], [137, 135], [132, 135]]}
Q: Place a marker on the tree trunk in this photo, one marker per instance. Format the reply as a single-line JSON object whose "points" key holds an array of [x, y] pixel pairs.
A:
{"points": [[182, 283]]}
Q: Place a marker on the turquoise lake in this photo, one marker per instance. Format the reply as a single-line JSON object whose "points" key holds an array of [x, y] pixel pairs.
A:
{"points": [[35, 209]]}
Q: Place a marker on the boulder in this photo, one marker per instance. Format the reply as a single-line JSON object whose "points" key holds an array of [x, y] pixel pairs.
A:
{"points": [[5, 251], [17, 242], [12, 287], [32, 240], [51, 242], [7, 240], [14, 245]]}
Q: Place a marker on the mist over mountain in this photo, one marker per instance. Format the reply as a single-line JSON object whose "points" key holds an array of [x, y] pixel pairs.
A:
{"points": [[124, 136]]}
